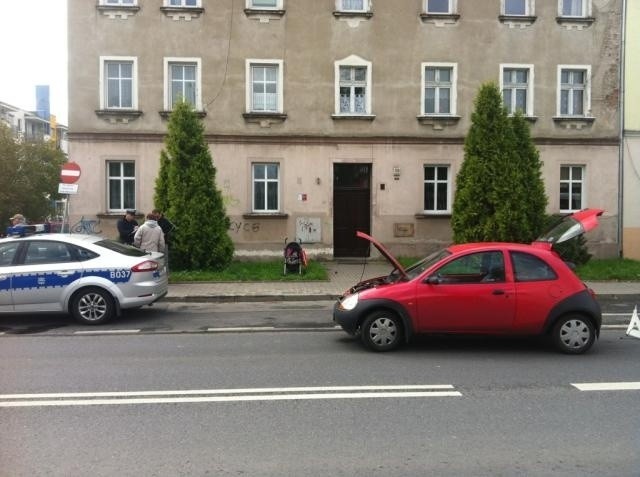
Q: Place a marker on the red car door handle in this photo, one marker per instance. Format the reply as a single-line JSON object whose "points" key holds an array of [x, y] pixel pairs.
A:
{"points": [[498, 292]]}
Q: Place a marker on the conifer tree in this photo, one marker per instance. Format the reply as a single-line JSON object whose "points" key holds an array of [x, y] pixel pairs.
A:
{"points": [[186, 191], [500, 173]]}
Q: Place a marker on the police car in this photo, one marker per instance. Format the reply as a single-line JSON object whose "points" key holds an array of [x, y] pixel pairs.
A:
{"points": [[91, 277]]}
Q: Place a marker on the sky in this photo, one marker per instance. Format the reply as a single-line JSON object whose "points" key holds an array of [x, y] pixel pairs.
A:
{"points": [[33, 49]]}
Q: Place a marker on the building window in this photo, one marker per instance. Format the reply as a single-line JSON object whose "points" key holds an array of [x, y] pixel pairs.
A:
{"points": [[182, 79], [437, 190], [517, 88], [264, 4], [118, 88], [266, 185], [352, 5], [353, 87], [264, 86], [574, 8], [572, 188], [439, 6], [517, 7], [574, 98], [439, 88], [182, 3], [121, 178]]}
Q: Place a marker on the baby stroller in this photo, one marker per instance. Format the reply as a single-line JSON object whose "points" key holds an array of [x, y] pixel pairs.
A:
{"points": [[295, 257]]}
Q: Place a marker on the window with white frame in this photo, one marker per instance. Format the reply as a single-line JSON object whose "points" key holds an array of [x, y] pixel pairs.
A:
{"points": [[517, 7], [264, 4], [572, 188], [517, 88], [118, 83], [126, 3], [439, 88], [121, 185], [352, 5], [574, 95], [266, 187], [437, 190], [353, 86], [439, 6], [574, 8], [182, 3], [264, 86], [182, 79]]}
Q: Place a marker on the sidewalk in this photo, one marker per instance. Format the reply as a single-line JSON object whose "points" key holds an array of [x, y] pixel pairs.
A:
{"points": [[341, 277]]}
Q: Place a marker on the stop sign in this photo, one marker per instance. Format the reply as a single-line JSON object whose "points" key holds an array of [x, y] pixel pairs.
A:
{"points": [[70, 173]]}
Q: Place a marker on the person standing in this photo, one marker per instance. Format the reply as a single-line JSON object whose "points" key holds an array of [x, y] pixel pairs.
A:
{"points": [[127, 227], [149, 236], [167, 227]]}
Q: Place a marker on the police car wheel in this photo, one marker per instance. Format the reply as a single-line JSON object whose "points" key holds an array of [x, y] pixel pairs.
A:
{"points": [[92, 306]]}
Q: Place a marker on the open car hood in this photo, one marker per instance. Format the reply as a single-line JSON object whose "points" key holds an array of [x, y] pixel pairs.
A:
{"points": [[384, 252], [569, 227]]}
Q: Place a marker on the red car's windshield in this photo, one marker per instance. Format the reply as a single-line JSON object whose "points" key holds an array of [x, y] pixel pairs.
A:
{"points": [[419, 267]]}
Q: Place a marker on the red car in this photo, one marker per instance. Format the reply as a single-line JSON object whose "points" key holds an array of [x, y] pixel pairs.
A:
{"points": [[479, 288]]}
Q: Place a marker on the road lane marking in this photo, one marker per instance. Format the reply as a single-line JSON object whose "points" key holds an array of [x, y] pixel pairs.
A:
{"points": [[270, 329], [621, 386], [228, 395], [105, 332]]}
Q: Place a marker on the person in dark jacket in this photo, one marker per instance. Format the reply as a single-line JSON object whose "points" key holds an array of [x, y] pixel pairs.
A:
{"points": [[127, 227]]}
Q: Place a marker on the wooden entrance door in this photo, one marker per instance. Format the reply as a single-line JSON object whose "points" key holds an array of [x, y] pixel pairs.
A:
{"points": [[351, 209]]}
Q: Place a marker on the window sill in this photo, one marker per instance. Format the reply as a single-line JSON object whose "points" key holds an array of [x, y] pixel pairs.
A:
{"points": [[185, 13], [531, 119], [358, 117], [118, 11], [123, 116], [167, 113], [433, 215], [574, 122], [265, 120], [575, 23], [265, 215], [264, 15], [353, 19], [517, 21], [440, 19], [438, 121]]}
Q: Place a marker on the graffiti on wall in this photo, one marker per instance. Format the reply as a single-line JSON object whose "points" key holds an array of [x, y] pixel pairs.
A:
{"points": [[86, 226], [237, 227]]}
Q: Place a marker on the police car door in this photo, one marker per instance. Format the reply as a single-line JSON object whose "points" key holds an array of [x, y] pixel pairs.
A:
{"points": [[46, 269], [7, 256]]}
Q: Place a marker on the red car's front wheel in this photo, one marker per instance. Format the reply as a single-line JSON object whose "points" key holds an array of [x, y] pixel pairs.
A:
{"points": [[382, 331]]}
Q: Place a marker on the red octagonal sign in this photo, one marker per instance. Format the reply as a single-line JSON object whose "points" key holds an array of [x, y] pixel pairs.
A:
{"points": [[70, 173]]}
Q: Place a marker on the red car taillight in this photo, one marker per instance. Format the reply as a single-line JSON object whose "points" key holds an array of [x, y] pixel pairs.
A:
{"points": [[146, 266]]}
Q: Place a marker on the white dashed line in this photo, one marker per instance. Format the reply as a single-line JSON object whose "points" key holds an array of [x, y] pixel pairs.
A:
{"points": [[105, 332], [622, 386]]}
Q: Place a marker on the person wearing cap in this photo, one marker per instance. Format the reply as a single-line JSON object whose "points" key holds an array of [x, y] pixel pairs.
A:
{"points": [[17, 220], [127, 227]]}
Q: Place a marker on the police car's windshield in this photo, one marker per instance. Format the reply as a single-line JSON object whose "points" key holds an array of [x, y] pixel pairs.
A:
{"points": [[122, 248]]}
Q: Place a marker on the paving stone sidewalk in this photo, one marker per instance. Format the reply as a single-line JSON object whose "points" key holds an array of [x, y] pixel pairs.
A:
{"points": [[341, 277]]}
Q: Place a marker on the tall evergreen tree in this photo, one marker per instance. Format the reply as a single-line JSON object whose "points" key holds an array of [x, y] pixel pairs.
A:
{"points": [[186, 191], [532, 182], [493, 192]]}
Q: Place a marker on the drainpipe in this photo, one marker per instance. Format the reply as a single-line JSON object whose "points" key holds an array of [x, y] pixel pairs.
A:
{"points": [[622, 127]]}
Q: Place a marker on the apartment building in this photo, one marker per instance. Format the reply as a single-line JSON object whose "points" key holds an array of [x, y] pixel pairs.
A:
{"points": [[329, 116]]}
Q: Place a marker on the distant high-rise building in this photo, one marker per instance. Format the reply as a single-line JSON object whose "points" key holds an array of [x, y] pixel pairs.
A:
{"points": [[43, 109]]}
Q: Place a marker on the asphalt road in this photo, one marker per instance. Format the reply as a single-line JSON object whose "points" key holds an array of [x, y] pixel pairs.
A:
{"points": [[185, 317], [315, 404]]}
